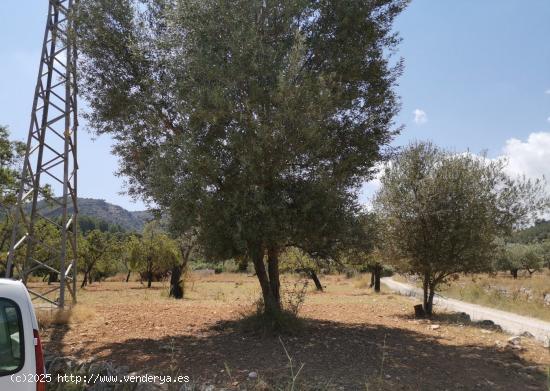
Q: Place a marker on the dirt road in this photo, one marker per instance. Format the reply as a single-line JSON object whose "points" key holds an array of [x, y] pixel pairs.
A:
{"points": [[511, 323]]}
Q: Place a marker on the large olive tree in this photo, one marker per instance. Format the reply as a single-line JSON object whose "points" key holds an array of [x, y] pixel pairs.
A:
{"points": [[254, 122], [443, 212]]}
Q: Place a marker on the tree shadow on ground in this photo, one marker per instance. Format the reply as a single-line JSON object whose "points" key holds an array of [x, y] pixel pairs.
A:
{"points": [[346, 356]]}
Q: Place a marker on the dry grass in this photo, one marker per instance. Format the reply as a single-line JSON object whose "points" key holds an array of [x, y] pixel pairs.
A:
{"points": [[362, 281], [74, 315]]}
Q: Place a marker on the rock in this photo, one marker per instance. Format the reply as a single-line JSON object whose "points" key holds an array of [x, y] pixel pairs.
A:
{"points": [[419, 311], [546, 299], [527, 292], [527, 334], [463, 317], [486, 323], [435, 326], [102, 368], [470, 356], [515, 342], [59, 365], [123, 369], [546, 342], [489, 324], [253, 375], [503, 292], [532, 369]]}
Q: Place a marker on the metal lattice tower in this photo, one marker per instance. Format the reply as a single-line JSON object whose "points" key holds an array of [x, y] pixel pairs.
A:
{"points": [[50, 163]]}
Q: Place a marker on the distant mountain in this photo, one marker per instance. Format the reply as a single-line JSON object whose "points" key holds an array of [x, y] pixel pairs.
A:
{"points": [[102, 210]]}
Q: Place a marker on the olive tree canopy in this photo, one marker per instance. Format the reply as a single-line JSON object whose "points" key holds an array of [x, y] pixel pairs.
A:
{"points": [[443, 212]]}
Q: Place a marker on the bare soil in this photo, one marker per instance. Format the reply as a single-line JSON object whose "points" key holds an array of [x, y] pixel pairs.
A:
{"points": [[353, 339]]}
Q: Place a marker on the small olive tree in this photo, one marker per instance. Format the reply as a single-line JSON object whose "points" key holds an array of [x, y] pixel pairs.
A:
{"points": [[154, 253], [517, 256], [443, 211], [98, 252]]}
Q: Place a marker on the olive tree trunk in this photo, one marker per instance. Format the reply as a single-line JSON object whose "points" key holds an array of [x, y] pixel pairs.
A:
{"points": [[269, 279], [315, 279], [176, 281], [429, 292], [377, 273], [176, 288]]}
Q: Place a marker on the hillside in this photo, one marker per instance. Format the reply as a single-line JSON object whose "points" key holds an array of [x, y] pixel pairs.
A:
{"points": [[537, 233], [102, 210]]}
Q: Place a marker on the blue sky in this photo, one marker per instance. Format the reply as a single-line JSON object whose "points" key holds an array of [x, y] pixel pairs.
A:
{"points": [[477, 77]]}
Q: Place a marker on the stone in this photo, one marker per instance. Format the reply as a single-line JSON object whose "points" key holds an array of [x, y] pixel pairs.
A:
{"points": [[546, 342], [546, 299], [471, 356], [435, 326], [527, 293], [123, 369], [532, 369], [527, 334], [419, 311], [489, 324], [515, 342], [59, 365], [253, 375], [486, 323], [463, 317]]}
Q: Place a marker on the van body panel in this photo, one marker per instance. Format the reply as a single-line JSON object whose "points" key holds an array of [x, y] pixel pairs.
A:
{"points": [[15, 292]]}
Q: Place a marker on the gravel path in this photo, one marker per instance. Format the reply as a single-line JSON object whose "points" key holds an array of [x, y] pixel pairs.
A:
{"points": [[510, 322]]}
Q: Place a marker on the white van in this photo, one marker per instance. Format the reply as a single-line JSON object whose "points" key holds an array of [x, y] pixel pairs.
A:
{"points": [[21, 358]]}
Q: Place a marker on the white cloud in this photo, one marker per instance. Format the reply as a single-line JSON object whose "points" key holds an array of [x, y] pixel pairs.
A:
{"points": [[547, 92], [529, 157], [548, 119], [420, 117]]}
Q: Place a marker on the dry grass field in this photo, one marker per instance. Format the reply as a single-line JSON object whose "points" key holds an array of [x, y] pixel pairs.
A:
{"points": [[352, 339]]}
